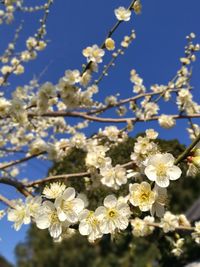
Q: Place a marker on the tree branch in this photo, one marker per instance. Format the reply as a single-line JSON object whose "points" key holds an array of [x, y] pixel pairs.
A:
{"points": [[84, 115], [18, 185], [6, 201], [188, 150]]}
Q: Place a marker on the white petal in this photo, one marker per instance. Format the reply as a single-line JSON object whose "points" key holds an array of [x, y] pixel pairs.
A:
{"points": [[84, 228], [162, 181], [123, 209], [174, 172], [72, 217], [100, 212], [168, 159], [78, 205], [112, 225], [55, 230], [48, 206], [83, 214], [58, 202], [122, 223], [150, 172], [153, 160], [133, 187], [69, 194], [42, 221], [18, 225], [61, 215], [110, 201], [12, 215], [105, 227], [27, 220]]}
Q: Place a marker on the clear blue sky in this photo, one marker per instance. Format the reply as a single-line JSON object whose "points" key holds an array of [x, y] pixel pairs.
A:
{"points": [[73, 25]]}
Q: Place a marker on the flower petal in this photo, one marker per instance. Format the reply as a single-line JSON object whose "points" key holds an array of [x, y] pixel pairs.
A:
{"points": [[150, 172], [174, 172], [162, 181], [69, 194], [110, 201]]}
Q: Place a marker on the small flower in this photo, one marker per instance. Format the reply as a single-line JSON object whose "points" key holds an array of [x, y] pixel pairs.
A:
{"points": [[37, 146], [47, 218], [142, 227], [161, 169], [177, 250], [96, 157], [4, 106], [138, 227], [22, 212], [166, 121], [78, 140], [33, 204], [54, 190], [89, 225], [151, 134], [169, 222], [113, 215], [110, 44], [18, 215], [111, 132], [142, 196], [68, 206], [113, 176], [122, 13], [93, 53], [71, 77], [137, 7]]}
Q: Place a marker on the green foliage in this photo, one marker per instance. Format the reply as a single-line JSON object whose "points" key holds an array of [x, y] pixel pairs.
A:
{"points": [[4, 262], [123, 250]]}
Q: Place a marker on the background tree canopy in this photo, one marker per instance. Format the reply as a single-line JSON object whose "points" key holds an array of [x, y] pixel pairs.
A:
{"points": [[40, 251], [4, 262]]}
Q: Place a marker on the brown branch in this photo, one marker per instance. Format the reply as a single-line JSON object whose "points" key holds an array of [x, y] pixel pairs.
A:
{"points": [[18, 185], [15, 162], [84, 115], [57, 177], [6, 201], [180, 227], [127, 100]]}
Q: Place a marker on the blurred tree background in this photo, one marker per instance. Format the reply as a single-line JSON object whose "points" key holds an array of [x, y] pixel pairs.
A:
{"points": [[125, 250], [4, 262]]}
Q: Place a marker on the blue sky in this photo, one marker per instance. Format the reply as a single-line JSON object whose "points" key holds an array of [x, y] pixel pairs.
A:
{"points": [[73, 25]]}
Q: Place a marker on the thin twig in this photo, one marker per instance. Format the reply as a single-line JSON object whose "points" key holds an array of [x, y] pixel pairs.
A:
{"points": [[6, 201], [188, 150]]}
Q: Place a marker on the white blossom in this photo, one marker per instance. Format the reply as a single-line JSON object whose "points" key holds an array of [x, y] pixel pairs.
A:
{"points": [[53, 190], [113, 215], [160, 168], [122, 13], [89, 225], [169, 222], [113, 176], [47, 218], [68, 206], [142, 196]]}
